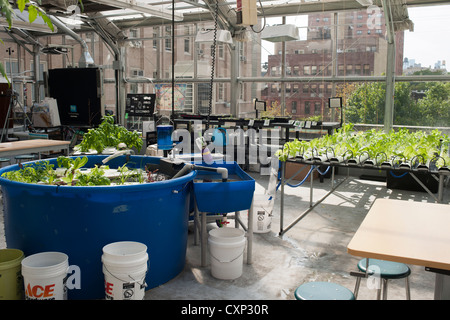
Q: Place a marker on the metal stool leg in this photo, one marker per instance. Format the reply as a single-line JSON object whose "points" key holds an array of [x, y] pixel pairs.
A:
{"points": [[385, 288], [358, 282], [408, 291]]}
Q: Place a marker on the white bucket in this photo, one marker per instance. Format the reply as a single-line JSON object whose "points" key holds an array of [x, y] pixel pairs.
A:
{"points": [[226, 248], [262, 213], [44, 276], [125, 267]]}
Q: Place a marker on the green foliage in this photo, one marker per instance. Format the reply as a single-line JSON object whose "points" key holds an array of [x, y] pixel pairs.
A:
{"points": [[7, 11], [43, 173], [34, 11], [94, 178], [28, 173], [366, 104], [434, 108], [377, 144], [129, 175], [107, 135], [71, 165]]}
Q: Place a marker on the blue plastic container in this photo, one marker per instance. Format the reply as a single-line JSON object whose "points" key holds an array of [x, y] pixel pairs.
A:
{"points": [[164, 137], [79, 221], [216, 196]]}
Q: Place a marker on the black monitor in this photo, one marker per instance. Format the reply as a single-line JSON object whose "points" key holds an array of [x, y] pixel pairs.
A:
{"points": [[78, 92]]}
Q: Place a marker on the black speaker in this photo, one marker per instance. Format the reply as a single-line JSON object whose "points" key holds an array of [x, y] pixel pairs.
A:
{"points": [[78, 94]]}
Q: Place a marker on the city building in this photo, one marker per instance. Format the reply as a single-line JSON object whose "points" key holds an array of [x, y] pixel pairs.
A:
{"points": [[359, 40]]}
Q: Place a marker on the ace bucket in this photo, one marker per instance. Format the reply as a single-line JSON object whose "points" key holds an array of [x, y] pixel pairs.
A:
{"points": [[125, 267], [44, 275]]}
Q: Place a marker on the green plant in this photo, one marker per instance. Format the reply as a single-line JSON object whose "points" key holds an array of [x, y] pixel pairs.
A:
{"points": [[129, 175], [34, 11], [70, 172], [71, 165], [94, 177], [40, 172], [107, 135], [402, 144]]}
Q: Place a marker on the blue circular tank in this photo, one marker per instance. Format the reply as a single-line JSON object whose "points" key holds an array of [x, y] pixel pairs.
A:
{"points": [[79, 221]]}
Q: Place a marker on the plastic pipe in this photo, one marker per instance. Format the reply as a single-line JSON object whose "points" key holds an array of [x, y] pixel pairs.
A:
{"points": [[189, 167], [115, 155]]}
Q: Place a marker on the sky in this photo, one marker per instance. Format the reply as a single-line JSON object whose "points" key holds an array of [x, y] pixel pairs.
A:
{"points": [[430, 40]]}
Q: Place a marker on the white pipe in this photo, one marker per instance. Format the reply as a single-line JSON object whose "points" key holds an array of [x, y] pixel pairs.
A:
{"points": [[115, 155], [223, 172]]}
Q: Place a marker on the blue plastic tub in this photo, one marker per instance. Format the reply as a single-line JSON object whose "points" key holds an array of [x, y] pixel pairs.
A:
{"points": [[222, 197], [79, 221]]}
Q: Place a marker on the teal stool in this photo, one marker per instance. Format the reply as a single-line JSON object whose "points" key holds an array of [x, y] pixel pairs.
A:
{"points": [[24, 157], [323, 291], [4, 160], [387, 270]]}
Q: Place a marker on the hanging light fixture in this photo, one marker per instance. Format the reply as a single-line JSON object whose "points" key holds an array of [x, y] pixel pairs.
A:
{"points": [[207, 35], [279, 33]]}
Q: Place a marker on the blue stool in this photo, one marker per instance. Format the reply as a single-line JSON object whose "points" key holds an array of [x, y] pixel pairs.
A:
{"points": [[386, 270], [24, 157], [323, 291]]}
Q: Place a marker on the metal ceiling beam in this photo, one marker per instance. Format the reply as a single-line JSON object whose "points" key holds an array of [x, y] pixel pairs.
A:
{"points": [[141, 7], [270, 11]]}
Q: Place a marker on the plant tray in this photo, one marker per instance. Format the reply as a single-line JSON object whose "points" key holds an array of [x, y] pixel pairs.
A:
{"points": [[214, 196]]}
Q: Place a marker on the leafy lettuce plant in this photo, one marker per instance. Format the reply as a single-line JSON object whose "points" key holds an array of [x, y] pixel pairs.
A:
{"points": [[41, 172], [417, 146], [107, 135], [71, 165], [70, 172], [95, 177]]}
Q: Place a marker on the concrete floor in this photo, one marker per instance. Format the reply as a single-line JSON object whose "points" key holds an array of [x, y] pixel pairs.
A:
{"points": [[315, 249]]}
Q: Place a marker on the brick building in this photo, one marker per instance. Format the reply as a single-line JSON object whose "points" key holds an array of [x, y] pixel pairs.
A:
{"points": [[360, 51]]}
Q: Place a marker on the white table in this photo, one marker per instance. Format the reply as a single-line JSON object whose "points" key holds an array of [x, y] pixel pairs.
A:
{"points": [[8, 149], [416, 233]]}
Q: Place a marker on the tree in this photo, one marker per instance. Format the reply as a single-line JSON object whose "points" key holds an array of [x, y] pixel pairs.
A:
{"points": [[434, 108], [406, 111], [366, 104], [273, 110]]}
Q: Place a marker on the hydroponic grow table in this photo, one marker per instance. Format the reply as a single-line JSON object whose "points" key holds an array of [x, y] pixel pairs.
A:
{"points": [[441, 173]]}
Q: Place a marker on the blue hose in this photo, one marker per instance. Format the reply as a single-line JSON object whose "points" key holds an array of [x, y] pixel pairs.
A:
{"points": [[400, 176], [300, 183]]}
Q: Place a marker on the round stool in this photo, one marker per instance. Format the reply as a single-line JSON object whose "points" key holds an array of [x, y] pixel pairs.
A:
{"points": [[24, 157], [387, 270], [323, 291], [3, 160]]}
